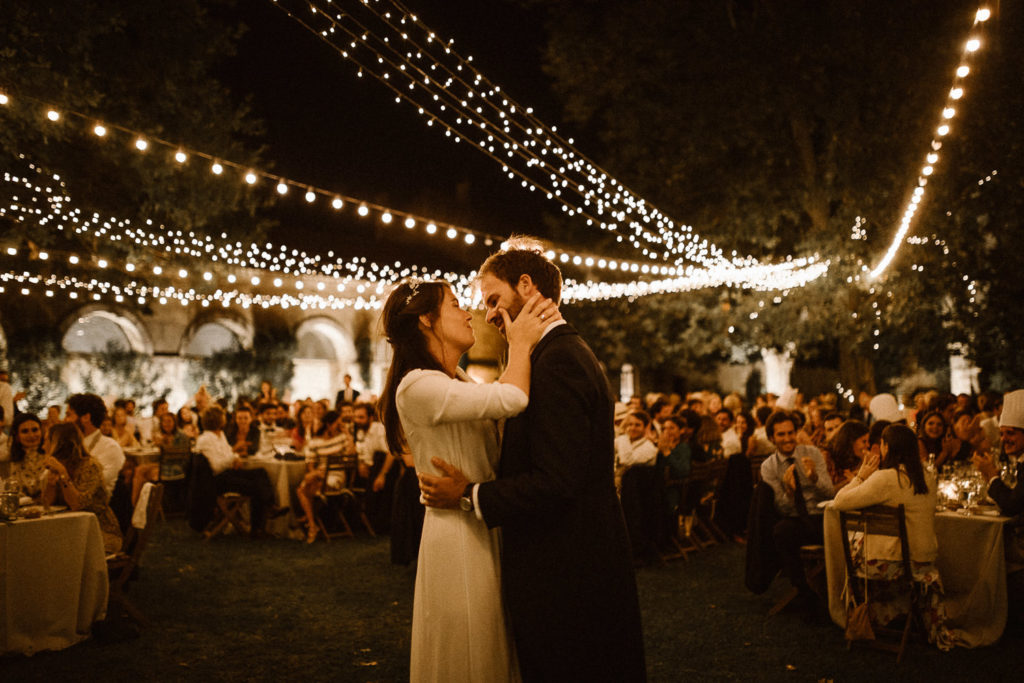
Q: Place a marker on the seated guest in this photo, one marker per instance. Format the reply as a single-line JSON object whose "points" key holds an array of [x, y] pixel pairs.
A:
{"points": [[188, 422], [966, 436], [632, 447], [875, 437], [730, 439], [735, 489], [227, 473], [830, 425], [75, 479], [267, 414], [333, 439], [87, 411], [24, 461], [167, 437], [899, 478], [243, 433], [1010, 500], [846, 451], [305, 429], [798, 477], [123, 434], [762, 443]]}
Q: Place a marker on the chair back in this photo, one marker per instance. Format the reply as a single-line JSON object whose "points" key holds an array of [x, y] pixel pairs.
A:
{"points": [[877, 520], [174, 463], [343, 464], [136, 539]]}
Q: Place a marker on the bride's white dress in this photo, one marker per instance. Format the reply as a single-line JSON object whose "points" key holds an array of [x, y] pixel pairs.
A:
{"points": [[458, 618]]}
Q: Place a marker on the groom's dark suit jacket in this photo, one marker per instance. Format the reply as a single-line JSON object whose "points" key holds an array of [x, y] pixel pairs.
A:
{"points": [[567, 570]]}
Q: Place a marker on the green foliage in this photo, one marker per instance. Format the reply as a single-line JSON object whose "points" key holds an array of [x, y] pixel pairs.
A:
{"points": [[147, 65], [770, 126], [36, 361], [236, 374]]}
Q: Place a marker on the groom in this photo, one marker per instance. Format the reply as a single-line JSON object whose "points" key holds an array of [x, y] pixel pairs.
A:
{"points": [[567, 571]]}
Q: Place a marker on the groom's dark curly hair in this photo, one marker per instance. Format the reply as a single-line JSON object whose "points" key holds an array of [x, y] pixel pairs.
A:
{"points": [[525, 256]]}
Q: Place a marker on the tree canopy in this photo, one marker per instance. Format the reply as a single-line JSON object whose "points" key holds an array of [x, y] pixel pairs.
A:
{"points": [[771, 127]]}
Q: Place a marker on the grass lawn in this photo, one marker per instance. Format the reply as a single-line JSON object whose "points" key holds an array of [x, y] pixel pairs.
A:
{"points": [[235, 609]]}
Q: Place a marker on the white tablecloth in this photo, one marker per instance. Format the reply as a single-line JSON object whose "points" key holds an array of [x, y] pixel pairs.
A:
{"points": [[53, 581], [972, 565], [285, 477]]}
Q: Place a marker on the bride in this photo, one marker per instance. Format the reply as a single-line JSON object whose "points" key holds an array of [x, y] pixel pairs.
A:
{"points": [[432, 409]]}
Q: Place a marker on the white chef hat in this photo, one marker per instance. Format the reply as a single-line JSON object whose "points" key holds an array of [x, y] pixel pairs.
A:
{"points": [[884, 407], [1013, 410]]}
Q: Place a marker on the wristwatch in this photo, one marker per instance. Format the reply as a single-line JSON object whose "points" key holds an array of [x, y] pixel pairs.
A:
{"points": [[466, 502]]}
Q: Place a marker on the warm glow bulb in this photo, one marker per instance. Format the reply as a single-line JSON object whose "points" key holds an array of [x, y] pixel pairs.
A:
{"points": [[141, 145], [207, 276], [3, 98], [157, 270], [182, 273], [963, 70], [470, 238], [310, 196], [943, 130], [431, 228], [983, 14], [932, 158], [282, 189], [410, 223], [99, 130], [927, 170], [250, 178], [956, 93], [337, 203], [180, 157], [53, 115], [72, 259], [452, 233], [385, 218], [255, 280], [217, 168], [948, 113], [973, 44], [363, 210]]}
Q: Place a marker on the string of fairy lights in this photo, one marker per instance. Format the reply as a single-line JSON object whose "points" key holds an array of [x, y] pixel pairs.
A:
{"points": [[956, 92], [746, 272], [755, 276], [404, 55], [356, 283], [311, 193]]}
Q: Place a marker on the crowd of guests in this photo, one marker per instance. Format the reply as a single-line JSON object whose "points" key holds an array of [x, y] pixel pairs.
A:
{"points": [[787, 457], [76, 456]]}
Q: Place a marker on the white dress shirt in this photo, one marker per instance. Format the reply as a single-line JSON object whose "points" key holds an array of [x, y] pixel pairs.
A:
{"points": [[109, 455], [215, 446]]}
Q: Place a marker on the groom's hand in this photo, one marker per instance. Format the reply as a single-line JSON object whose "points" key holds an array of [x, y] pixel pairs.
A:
{"points": [[443, 491]]}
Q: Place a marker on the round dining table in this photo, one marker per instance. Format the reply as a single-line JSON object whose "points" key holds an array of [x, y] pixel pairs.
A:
{"points": [[53, 581], [972, 565]]}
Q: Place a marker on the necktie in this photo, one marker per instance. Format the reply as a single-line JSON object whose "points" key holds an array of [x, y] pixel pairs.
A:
{"points": [[798, 492]]}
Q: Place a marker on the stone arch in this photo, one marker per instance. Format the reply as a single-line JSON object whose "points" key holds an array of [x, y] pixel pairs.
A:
{"points": [[325, 351], [217, 331], [95, 328]]}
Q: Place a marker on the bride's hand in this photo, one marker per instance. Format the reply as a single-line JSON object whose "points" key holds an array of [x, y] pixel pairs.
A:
{"points": [[533, 319]]}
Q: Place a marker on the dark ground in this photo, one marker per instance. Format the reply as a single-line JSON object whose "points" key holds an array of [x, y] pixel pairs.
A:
{"points": [[235, 609]]}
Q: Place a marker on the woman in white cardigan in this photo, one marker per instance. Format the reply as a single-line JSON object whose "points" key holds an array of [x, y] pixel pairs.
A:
{"points": [[900, 480]]}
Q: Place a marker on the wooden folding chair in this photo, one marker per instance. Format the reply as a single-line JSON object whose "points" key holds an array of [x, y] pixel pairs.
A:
{"points": [[813, 558], [881, 520], [173, 473], [332, 498], [121, 565], [229, 512]]}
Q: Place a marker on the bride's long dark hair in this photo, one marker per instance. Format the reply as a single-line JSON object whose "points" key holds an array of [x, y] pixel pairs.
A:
{"points": [[400, 322]]}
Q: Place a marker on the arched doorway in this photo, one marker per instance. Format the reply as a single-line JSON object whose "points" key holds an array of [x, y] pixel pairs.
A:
{"points": [[325, 352]]}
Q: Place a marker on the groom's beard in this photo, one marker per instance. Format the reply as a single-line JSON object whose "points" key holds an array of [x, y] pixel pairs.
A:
{"points": [[514, 309]]}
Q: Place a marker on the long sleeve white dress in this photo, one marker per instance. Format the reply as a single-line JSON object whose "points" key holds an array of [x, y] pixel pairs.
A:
{"points": [[458, 625]]}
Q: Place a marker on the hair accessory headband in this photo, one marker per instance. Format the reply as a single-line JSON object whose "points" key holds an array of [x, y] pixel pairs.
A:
{"points": [[413, 288]]}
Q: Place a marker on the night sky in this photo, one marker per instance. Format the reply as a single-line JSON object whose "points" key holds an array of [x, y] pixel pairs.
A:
{"points": [[328, 127]]}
